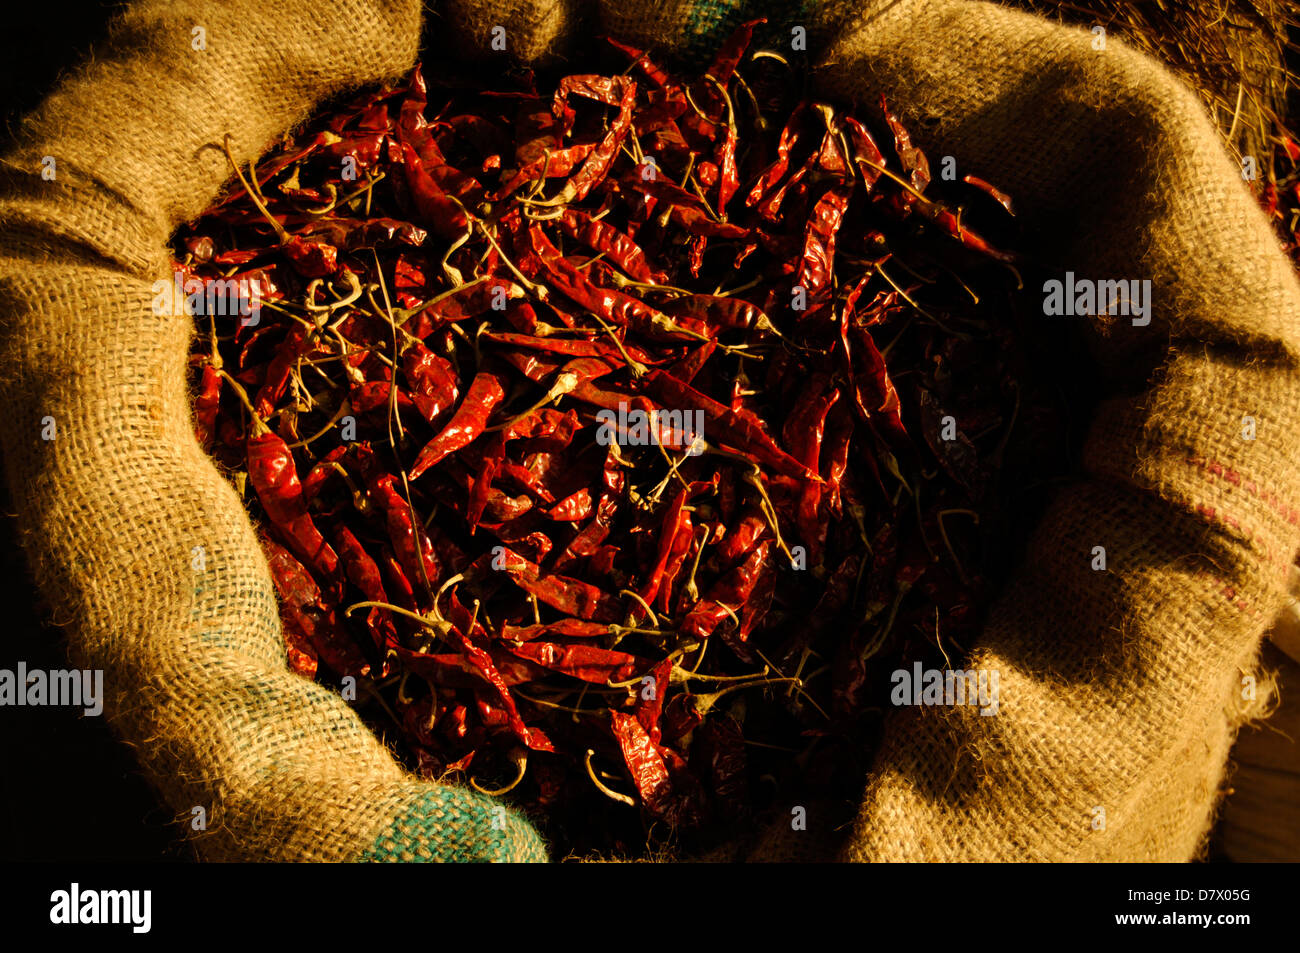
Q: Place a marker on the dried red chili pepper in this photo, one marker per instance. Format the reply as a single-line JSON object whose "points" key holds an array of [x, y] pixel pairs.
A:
{"points": [[815, 267], [572, 597], [576, 506], [479, 492], [296, 590], [613, 91], [414, 549], [645, 762], [272, 473], [312, 626], [617, 246], [363, 572], [572, 628], [586, 662], [912, 158], [470, 419], [727, 595], [445, 216], [207, 404], [734, 427]]}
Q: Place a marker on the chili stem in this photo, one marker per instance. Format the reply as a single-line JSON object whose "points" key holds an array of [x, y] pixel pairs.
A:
{"points": [[280, 232], [434, 624], [961, 571], [521, 765], [604, 789], [259, 426]]}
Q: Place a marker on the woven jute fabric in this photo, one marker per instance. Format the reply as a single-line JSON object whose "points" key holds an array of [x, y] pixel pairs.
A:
{"points": [[1120, 690]]}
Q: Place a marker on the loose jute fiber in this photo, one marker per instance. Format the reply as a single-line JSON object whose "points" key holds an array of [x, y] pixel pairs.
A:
{"points": [[1120, 689]]}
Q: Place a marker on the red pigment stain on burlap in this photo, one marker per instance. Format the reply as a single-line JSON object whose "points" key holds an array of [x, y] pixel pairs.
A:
{"points": [[1283, 509]]}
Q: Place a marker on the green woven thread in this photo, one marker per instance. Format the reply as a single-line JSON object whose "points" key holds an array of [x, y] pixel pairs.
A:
{"points": [[710, 22], [452, 825]]}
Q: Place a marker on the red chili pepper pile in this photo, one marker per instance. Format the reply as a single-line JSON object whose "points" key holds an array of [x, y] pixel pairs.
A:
{"points": [[474, 304]]}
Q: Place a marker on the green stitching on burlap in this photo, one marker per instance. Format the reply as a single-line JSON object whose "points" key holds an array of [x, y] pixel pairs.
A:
{"points": [[710, 22], [453, 825]]}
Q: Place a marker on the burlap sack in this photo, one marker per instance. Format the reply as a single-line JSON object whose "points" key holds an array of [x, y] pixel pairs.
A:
{"points": [[1120, 691]]}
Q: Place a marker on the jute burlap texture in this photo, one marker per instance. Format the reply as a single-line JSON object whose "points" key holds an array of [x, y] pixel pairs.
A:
{"points": [[1120, 691]]}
